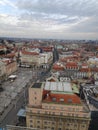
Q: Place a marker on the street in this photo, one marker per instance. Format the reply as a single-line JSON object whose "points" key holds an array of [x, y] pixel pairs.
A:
{"points": [[14, 96]]}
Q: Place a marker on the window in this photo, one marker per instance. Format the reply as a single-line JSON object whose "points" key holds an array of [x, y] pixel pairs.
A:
{"points": [[61, 100], [72, 114], [45, 122], [69, 100], [31, 121], [46, 106], [61, 113], [31, 125], [35, 98], [75, 125], [53, 108], [53, 113], [60, 123], [62, 108], [45, 112], [59, 128], [54, 99], [53, 122], [38, 111], [38, 121], [83, 126]]}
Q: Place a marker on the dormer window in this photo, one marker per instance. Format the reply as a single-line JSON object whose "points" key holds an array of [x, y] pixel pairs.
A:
{"points": [[54, 99], [61, 99], [69, 100]]}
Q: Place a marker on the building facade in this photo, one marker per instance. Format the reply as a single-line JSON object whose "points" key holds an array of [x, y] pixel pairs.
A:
{"points": [[50, 108], [2, 70], [35, 58], [11, 67]]}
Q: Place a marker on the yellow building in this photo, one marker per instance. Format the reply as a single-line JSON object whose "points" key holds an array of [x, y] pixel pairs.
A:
{"points": [[54, 106]]}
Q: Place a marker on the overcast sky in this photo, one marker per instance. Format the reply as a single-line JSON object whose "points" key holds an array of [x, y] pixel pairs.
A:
{"points": [[62, 19]]}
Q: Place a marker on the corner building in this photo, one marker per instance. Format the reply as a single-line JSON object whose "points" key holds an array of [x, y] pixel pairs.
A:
{"points": [[54, 106]]}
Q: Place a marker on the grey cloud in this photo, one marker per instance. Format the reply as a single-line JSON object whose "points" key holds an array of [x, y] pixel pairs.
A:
{"points": [[88, 26], [66, 7], [68, 20], [54, 18], [59, 12], [60, 19]]}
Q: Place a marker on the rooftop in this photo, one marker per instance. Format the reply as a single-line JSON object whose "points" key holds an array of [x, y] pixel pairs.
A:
{"points": [[60, 98], [71, 64], [29, 53], [59, 86], [37, 85]]}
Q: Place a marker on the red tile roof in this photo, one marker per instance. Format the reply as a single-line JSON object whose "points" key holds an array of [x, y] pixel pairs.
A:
{"points": [[76, 53], [29, 53], [84, 64], [60, 98], [58, 67], [89, 70], [84, 70], [70, 59], [63, 60], [43, 48], [11, 55], [95, 69], [47, 48], [7, 61], [2, 47], [71, 64]]}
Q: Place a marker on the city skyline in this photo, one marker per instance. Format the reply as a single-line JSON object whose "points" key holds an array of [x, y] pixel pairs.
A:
{"points": [[67, 19]]}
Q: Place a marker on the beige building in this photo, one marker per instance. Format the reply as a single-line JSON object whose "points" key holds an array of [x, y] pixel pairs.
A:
{"points": [[54, 106], [10, 66], [29, 58], [2, 48], [2, 70], [36, 58]]}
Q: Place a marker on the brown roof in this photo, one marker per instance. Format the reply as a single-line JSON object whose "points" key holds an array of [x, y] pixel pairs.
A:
{"points": [[7, 61], [11, 55], [89, 69], [58, 67], [71, 64], [29, 53], [64, 98], [84, 64], [2, 47]]}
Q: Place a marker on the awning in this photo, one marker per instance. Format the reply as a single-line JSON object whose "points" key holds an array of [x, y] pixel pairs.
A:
{"points": [[21, 113]]}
